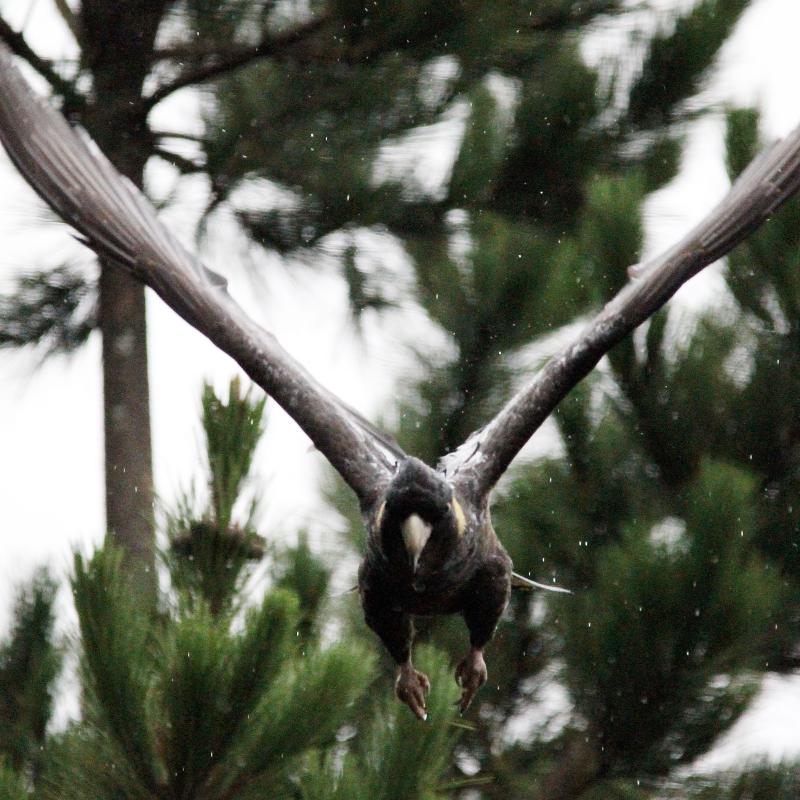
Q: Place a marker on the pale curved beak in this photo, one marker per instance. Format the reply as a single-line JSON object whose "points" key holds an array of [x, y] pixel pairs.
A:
{"points": [[416, 533]]}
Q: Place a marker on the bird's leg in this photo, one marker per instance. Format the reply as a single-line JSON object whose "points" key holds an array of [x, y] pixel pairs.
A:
{"points": [[396, 630], [411, 687], [488, 595], [471, 674]]}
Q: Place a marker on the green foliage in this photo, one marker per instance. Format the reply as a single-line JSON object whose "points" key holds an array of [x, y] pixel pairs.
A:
{"points": [[652, 643], [304, 710], [209, 554], [615, 790], [84, 763], [763, 272], [232, 430], [12, 787], [362, 295], [396, 757], [678, 425], [29, 666], [741, 139], [611, 230], [213, 684], [52, 310], [406, 758], [678, 60], [322, 169], [196, 706], [239, 700], [667, 508], [227, 20], [513, 282], [661, 161], [553, 148], [119, 658], [480, 157], [537, 128], [300, 571], [763, 277], [208, 564], [762, 782]]}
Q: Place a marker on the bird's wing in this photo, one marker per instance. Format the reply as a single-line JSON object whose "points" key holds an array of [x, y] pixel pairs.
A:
{"points": [[768, 181], [117, 222]]}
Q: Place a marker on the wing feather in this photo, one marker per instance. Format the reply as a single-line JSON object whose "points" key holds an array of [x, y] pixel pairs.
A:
{"points": [[768, 181], [113, 218]]}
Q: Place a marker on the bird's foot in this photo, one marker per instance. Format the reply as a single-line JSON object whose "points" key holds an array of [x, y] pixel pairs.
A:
{"points": [[471, 674], [411, 688]]}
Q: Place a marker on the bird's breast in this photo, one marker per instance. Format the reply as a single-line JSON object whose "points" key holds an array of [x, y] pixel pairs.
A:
{"points": [[431, 589]]}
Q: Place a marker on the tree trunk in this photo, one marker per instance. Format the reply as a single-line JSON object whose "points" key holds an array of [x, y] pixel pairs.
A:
{"points": [[126, 409], [117, 44]]}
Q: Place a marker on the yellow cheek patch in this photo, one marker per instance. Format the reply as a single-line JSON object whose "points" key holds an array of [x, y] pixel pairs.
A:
{"points": [[379, 516], [461, 520]]}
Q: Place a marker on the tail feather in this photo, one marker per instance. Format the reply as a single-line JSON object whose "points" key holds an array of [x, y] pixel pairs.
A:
{"points": [[521, 582]]}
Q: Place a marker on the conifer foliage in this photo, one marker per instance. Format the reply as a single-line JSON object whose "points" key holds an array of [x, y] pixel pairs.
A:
{"points": [[196, 708], [217, 695], [30, 662]]}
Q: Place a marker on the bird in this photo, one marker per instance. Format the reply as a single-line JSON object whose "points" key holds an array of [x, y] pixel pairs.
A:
{"points": [[430, 545]]}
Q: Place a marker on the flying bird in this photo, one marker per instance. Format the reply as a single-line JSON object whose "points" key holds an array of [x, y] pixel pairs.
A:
{"points": [[430, 546]]}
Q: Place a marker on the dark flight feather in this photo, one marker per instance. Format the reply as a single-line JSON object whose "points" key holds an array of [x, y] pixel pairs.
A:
{"points": [[771, 179], [114, 219]]}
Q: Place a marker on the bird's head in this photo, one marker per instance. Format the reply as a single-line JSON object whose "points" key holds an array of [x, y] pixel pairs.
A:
{"points": [[419, 504]]}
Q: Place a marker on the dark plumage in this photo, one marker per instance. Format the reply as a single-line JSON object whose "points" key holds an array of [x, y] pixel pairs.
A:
{"points": [[460, 568], [431, 548]]}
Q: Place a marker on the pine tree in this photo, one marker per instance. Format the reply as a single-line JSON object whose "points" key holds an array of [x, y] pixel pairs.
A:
{"points": [[219, 696], [30, 663]]}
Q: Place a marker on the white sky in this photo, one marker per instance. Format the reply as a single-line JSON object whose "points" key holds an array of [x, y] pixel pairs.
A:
{"points": [[51, 482]]}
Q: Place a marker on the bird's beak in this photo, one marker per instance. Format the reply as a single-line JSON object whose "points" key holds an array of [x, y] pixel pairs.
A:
{"points": [[416, 533]]}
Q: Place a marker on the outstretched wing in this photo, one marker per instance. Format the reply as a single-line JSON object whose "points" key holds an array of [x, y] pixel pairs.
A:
{"points": [[116, 221], [771, 178]]}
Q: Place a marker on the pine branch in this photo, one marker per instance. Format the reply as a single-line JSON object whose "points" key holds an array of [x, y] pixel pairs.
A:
{"points": [[232, 60], [70, 18], [188, 137], [197, 51], [185, 165], [16, 41], [55, 310], [569, 18]]}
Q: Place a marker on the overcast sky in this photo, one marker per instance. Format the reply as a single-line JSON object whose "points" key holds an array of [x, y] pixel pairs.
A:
{"points": [[51, 482]]}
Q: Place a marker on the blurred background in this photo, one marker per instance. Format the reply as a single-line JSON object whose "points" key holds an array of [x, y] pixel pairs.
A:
{"points": [[423, 200]]}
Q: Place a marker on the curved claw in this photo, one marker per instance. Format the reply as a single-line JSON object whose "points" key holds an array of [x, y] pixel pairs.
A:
{"points": [[411, 687], [471, 674]]}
